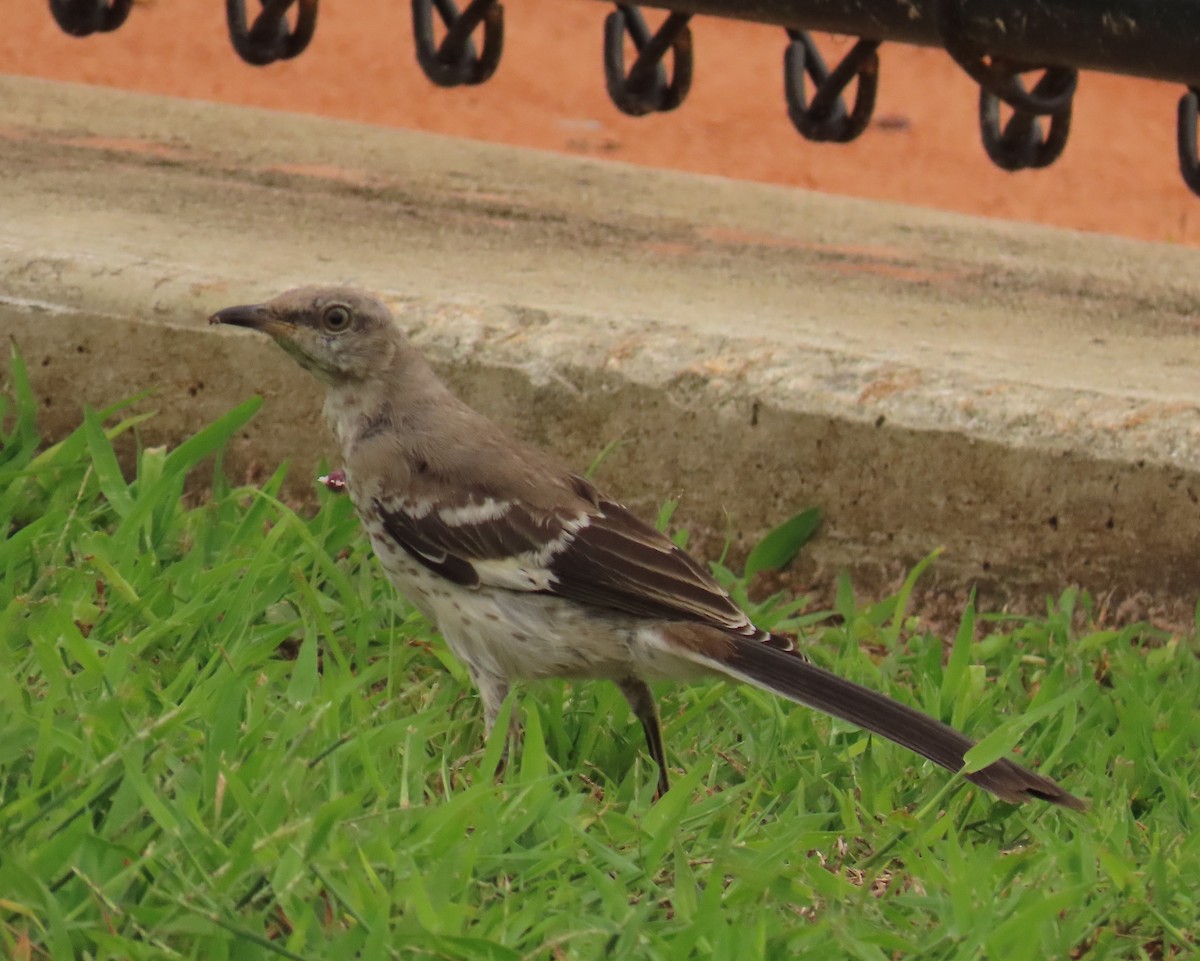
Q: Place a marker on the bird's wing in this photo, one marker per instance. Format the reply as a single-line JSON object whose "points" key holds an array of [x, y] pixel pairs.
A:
{"points": [[592, 551]]}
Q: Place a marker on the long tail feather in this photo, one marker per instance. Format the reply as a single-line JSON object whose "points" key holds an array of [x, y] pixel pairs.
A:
{"points": [[794, 678]]}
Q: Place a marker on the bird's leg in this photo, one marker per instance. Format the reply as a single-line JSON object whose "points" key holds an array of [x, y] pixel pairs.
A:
{"points": [[492, 691], [641, 700]]}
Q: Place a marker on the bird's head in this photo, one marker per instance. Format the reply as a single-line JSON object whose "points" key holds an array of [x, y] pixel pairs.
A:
{"points": [[338, 333]]}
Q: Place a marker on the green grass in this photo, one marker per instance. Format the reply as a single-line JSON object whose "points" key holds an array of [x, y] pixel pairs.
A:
{"points": [[223, 737]]}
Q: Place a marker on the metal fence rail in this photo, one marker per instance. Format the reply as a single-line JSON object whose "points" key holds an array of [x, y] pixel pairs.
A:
{"points": [[999, 43]]}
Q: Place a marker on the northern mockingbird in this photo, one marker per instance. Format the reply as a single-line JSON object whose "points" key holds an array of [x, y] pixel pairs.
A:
{"points": [[531, 572]]}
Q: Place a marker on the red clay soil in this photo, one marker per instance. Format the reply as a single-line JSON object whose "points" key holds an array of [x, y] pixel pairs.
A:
{"points": [[1118, 174]]}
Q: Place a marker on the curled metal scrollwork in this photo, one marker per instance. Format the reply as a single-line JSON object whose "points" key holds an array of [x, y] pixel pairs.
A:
{"points": [[1189, 162], [826, 117], [455, 61], [1021, 143], [646, 88], [270, 38], [82, 18]]}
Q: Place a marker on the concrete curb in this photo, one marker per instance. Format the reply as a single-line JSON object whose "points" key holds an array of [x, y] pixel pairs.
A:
{"points": [[1025, 397]]}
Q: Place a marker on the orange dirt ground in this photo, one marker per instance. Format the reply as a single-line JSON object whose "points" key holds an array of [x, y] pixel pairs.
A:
{"points": [[1118, 174]]}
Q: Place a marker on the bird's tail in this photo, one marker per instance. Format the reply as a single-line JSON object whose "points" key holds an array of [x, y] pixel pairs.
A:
{"points": [[789, 675]]}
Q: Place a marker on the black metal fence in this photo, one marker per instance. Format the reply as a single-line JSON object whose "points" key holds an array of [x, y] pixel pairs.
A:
{"points": [[999, 43]]}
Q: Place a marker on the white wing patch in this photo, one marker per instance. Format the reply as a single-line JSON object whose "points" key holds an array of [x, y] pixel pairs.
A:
{"points": [[414, 509], [529, 570], [473, 512]]}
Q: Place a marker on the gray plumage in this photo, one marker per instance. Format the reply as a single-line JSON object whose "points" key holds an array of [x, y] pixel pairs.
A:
{"points": [[526, 568]]}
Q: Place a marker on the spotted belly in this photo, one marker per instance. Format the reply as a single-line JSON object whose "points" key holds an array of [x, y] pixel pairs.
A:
{"points": [[509, 634]]}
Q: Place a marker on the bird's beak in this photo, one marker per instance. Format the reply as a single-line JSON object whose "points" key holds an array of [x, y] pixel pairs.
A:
{"points": [[254, 316]]}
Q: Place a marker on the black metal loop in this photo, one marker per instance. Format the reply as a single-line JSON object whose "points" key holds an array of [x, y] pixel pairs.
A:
{"points": [[1053, 93], [646, 88], [826, 118], [1189, 161], [270, 38], [455, 62], [82, 18], [1020, 145]]}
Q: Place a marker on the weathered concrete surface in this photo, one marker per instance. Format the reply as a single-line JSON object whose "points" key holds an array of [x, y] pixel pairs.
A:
{"points": [[1027, 398]]}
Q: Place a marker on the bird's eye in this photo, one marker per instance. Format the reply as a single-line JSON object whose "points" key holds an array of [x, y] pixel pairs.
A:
{"points": [[336, 318]]}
